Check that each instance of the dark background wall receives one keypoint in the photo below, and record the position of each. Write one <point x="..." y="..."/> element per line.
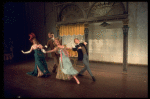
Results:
<point x="22" y="18"/>
<point x="15" y="29"/>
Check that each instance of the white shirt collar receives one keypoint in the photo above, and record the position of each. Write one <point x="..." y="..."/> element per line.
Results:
<point x="52" y="39"/>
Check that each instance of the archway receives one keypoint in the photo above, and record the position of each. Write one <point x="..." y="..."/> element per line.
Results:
<point x="99" y="12"/>
<point x="99" y="9"/>
<point x="71" y="12"/>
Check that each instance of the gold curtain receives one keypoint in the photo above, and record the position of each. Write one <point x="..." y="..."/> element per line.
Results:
<point x="72" y="53"/>
<point x="77" y="29"/>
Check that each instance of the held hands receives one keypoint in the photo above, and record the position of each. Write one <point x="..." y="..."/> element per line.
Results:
<point x="85" y="43"/>
<point x="79" y="47"/>
<point x="45" y="46"/>
<point x="22" y="51"/>
<point x="70" y="48"/>
<point x="43" y="50"/>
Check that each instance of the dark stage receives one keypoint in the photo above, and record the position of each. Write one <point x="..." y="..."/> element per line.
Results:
<point x="110" y="82"/>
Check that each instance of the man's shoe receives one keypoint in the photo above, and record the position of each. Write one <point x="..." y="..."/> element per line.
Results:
<point x="47" y="75"/>
<point x="54" y="68"/>
<point x="80" y="75"/>
<point x="93" y="78"/>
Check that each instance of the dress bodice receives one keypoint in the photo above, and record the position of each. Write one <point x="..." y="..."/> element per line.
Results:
<point x="37" y="50"/>
<point x="38" y="53"/>
<point x="65" y="63"/>
<point x="61" y="51"/>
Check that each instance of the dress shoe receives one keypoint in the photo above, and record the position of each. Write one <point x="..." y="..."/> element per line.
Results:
<point x="54" y="68"/>
<point x="80" y="75"/>
<point x="93" y="78"/>
<point x="46" y="75"/>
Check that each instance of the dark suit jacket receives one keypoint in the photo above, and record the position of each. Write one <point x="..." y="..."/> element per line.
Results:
<point x="80" y="53"/>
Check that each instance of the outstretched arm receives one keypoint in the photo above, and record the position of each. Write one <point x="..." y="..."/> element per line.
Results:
<point x="85" y="43"/>
<point x="47" y="45"/>
<point x="53" y="50"/>
<point x="69" y="48"/>
<point x="43" y="50"/>
<point x="75" y="48"/>
<point x="27" y="52"/>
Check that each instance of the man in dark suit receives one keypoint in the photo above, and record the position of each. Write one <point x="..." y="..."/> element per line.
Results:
<point x="53" y="54"/>
<point x="82" y="56"/>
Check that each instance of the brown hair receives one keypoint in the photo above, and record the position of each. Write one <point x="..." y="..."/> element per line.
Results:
<point x="76" y="39"/>
<point x="36" y="41"/>
<point x="50" y="33"/>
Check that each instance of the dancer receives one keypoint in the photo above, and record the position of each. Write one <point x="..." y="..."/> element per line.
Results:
<point x="54" y="55"/>
<point x="40" y="63"/>
<point x="66" y="69"/>
<point x="82" y="56"/>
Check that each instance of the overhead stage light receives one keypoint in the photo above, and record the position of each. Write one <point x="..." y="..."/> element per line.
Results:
<point x="104" y="24"/>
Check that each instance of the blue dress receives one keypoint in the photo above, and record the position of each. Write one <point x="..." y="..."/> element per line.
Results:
<point x="40" y="62"/>
<point x="66" y="65"/>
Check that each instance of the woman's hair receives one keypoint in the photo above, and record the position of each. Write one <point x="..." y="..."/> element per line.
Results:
<point x="56" y="39"/>
<point x="36" y="41"/>
<point x="33" y="37"/>
<point x="64" y="50"/>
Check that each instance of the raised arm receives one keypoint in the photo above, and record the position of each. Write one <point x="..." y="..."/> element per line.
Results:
<point x="27" y="52"/>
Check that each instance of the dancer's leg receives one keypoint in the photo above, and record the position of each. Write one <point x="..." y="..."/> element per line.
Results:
<point x="86" y="63"/>
<point x="83" y="70"/>
<point x="88" y="68"/>
<point x="76" y="79"/>
<point x="39" y="72"/>
<point x="55" y="64"/>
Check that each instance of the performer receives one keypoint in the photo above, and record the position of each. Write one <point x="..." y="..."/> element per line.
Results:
<point x="82" y="56"/>
<point x="40" y="63"/>
<point x="54" y="55"/>
<point x="66" y="70"/>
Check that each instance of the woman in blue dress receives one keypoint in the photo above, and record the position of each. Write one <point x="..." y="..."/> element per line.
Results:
<point x="64" y="61"/>
<point x="40" y="63"/>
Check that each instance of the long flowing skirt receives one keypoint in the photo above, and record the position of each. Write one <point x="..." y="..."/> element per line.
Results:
<point x="66" y="66"/>
<point x="61" y="75"/>
<point x="40" y="68"/>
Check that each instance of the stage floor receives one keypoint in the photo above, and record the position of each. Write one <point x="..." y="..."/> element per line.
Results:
<point x="110" y="82"/>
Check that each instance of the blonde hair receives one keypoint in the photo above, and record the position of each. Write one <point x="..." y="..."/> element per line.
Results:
<point x="56" y="39"/>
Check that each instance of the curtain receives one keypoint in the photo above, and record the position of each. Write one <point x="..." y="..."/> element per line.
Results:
<point x="69" y="40"/>
<point x="77" y="29"/>
<point x="68" y="33"/>
<point x="72" y="53"/>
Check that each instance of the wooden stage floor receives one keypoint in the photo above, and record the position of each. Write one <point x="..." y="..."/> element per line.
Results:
<point x="110" y="82"/>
